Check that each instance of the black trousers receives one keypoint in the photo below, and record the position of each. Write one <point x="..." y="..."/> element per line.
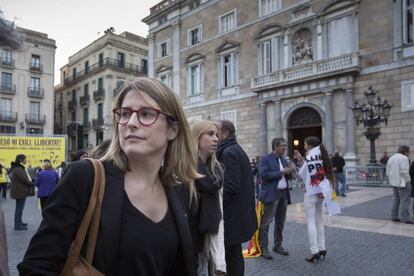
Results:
<point x="3" y="187"/>
<point x="43" y="202"/>
<point x="234" y="260"/>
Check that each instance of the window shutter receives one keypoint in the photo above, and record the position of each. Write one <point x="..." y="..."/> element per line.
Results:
<point x="275" y="54"/>
<point x="232" y="68"/>
<point x="260" y="55"/>
<point x="221" y="71"/>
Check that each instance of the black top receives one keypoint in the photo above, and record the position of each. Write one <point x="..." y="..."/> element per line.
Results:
<point x="48" y="248"/>
<point x="151" y="248"/>
<point x="338" y="162"/>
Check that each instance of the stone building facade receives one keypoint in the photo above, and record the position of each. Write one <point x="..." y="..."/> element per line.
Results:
<point x="88" y="85"/>
<point x="289" y="68"/>
<point x="26" y="85"/>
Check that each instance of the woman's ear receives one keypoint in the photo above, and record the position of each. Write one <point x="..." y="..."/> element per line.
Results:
<point x="173" y="131"/>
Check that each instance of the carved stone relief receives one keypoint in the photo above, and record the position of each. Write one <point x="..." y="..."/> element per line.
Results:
<point x="302" y="46"/>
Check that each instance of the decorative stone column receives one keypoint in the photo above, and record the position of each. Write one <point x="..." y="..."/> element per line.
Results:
<point x="329" y="130"/>
<point x="176" y="27"/>
<point x="151" y="55"/>
<point x="350" y="157"/>
<point x="278" y="119"/>
<point x="263" y="129"/>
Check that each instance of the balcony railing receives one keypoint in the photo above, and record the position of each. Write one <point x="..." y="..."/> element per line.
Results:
<point x="37" y="68"/>
<point x="97" y="124"/>
<point x="106" y="62"/>
<point x="7" y="63"/>
<point x="8" y="116"/>
<point x="162" y="5"/>
<point x="344" y="63"/>
<point x="72" y="104"/>
<point x="86" y="126"/>
<point x="36" y="119"/>
<point x="35" y="92"/>
<point x="83" y="100"/>
<point x="99" y="94"/>
<point x="7" y="89"/>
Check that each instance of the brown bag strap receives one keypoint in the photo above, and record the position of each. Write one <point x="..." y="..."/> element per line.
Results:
<point x="94" y="227"/>
<point x="95" y="202"/>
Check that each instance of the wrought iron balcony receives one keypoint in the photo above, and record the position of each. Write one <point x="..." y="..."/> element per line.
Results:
<point x="9" y="63"/>
<point x="97" y="124"/>
<point x="99" y="94"/>
<point x="7" y="89"/>
<point x="311" y="70"/>
<point x="35" y="118"/>
<point x="8" y="116"/>
<point x="84" y="100"/>
<point x="107" y="63"/>
<point x="35" y="92"/>
<point x="60" y="104"/>
<point x="36" y="68"/>
<point x="72" y="104"/>
<point x="86" y="126"/>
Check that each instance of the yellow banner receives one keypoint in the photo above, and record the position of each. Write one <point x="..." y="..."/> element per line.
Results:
<point x="35" y="148"/>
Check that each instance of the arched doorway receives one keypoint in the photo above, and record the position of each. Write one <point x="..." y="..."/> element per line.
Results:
<point x="303" y="122"/>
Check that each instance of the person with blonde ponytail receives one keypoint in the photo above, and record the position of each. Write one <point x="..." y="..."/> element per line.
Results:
<point x="150" y="169"/>
<point x="210" y="200"/>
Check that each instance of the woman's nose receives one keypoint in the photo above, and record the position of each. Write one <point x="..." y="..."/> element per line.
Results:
<point x="133" y="120"/>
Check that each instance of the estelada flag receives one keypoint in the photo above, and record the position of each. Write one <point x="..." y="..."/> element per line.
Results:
<point x="253" y="247"/>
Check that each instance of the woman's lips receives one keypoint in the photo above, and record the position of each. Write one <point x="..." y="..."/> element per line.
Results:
<point x="134" y="137"/>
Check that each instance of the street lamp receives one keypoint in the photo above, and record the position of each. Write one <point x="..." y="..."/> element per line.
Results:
<point x="371" y="115"/>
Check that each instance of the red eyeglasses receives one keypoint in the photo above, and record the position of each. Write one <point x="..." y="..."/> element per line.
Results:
<point x="146" y="116"/>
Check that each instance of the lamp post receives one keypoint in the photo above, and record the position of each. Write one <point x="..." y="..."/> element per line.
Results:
<point x="371" y="115"/>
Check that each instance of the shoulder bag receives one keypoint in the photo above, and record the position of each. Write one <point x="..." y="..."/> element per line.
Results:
<point x="75" y="264"/>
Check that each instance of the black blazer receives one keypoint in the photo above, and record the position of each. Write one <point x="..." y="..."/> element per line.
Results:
<point x="49" y="247"/>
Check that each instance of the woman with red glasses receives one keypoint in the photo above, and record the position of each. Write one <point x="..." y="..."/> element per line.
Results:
<point x="150" y="168"/>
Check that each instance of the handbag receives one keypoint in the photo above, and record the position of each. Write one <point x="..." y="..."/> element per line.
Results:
<point x="75" y="264"/>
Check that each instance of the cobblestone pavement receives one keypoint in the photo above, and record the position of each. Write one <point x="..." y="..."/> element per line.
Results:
<point x="361" y="241"/>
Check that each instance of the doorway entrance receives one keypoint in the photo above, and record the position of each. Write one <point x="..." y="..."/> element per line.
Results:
<point x="303" y="122"/>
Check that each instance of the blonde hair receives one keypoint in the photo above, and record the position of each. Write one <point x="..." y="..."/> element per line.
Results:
<point x="180" y="157"/>
<point x="199" y="128"/>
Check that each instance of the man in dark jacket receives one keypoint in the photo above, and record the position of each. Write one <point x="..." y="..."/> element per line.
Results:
<point x="338" y="164"/>
<point x="274" y="194"/>
<point x="240" y="221"/>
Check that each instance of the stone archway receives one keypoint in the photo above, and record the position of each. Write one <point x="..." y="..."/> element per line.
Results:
<point x="303" y="122"/>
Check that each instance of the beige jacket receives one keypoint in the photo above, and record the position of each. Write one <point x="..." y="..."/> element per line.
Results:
<point x="398" y="170"/>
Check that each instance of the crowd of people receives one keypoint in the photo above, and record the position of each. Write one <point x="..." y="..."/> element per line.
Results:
<point x="185" y="192"/>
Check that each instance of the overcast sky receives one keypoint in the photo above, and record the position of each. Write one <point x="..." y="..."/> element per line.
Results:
<point x="76" y="23"/>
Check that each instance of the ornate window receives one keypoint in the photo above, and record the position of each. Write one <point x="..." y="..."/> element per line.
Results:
<point x="165" y="75"/>
<point x="227" y="21"/>
<point x="269" y="6"/>
<point x="194" y="36"/>
<point x="340" y="36"/>
<point x="305" y="116"/>
<point x="229" y="115"/>
<point x="164" y="49"/>
<point x="407" y="95"/>
<point x="408" y="11"/>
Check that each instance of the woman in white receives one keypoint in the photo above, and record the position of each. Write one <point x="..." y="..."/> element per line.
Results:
<point x="210" y="244"/>
<point x="317" y="174"/>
